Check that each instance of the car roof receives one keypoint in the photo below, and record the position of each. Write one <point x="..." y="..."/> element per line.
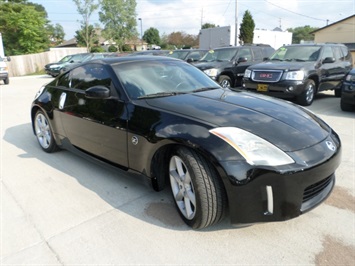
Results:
<point x="138" y="58"/>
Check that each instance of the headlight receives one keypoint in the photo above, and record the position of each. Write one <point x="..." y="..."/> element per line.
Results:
<point x="350" y="77"/>
<point x="211" y="72"/>
<point x="295" y="75"/>
<point x="254" y="149"/>
<point x="247" y="73"/>
<point x="39" y="92"/>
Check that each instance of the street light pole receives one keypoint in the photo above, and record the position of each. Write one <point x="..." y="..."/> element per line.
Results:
<point x="141" y="31"/>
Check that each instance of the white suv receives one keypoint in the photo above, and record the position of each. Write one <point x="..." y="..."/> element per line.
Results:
<point x="4" y="73"/>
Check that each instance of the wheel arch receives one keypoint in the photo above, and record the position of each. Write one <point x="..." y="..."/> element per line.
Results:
<point x="160" y="161"/>
<point x="315" y="78"/>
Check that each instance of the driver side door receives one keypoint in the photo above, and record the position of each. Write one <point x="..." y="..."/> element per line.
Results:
<point x="94" y="125"/>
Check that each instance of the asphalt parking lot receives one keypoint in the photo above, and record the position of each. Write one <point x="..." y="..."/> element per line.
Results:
<point x="58" y="209"/>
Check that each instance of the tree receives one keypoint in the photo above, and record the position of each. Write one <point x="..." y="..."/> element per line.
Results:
<point x="85" y="8"/>
<point x="180" y="39"/>
<point x="208" y="25"/>
<point x="23" y="27"/>
<point x="87" y="37"/>
<point x="151" y="36"/>
<point x="119" y="19"/>
<point x="247" y="28"/>
<point x="56" y="33"/>
<point x="302" y="34"/>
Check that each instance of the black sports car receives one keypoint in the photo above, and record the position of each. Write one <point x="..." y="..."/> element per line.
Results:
<point x="260" y="159"/>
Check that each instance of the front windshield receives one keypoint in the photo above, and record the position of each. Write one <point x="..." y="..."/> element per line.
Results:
<point x="219" y="55"/>
<point x="297" y="53"/>
<point x="143" y="78"/>
<point x="178" y="54"/>
<point x="65" y="59"/>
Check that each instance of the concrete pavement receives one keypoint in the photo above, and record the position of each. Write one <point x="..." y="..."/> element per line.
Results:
<point x="59" y="209"/>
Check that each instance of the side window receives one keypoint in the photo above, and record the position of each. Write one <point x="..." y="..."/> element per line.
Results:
<point x="257" y="53"/>
<point x="64" y="81"/>
<point x="89" y="75"/>
<point x="337" y="53"/>
<point x="244" y="52"/>
<point x="346" y="53"/>
<point x="327" y="52"/>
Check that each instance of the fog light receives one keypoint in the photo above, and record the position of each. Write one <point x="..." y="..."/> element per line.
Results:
<point x="290" y="89"/>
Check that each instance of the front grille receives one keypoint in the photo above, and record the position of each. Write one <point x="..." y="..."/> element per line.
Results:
<point x="315" y="189"/>
<point x="266" y="75"/>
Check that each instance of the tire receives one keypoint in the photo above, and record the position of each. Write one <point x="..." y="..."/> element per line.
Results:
<point x="337" y="92"/>
<point x="7" y="81"/>
<point x="307" y="96"/>
<point x="44" y="133"/>
<point x="197" y="190"/>
<point x="346" y="107"/>
<point x="225" y="81"/>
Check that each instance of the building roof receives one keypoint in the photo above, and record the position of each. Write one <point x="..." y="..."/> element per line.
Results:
<point x="332" y="24"/>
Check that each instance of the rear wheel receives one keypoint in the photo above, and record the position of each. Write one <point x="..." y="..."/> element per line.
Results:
<point x="307" y="96"/>
<point x="197" y="190"/>
<point x="7" y="81"/>
<point x="44" y="133"/>
<point x="225" y="81"/>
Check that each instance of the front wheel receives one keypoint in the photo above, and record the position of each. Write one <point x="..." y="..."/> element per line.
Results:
<point x="346" y="107"/>
<point x="44" y="133"/>
<point x="307" y="96"/>
<point x="7" y="81"/>
<point x="197" y="190"/>
<point x="225" y="81"/>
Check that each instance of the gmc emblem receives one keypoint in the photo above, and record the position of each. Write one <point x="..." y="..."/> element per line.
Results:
<point x="266" y="75"/>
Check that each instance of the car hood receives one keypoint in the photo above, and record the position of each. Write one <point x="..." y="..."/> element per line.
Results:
<point x="287" y="126"/>
<point x="209" y="65"/>
<point x="284" y="65"/>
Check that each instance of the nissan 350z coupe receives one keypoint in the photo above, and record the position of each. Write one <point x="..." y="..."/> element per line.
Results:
<point x="246" y="156"/>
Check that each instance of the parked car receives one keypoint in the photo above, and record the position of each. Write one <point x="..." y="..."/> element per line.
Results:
<point x="227" y="65"/>
<point x="347" y="101"/>
<point x="299" y="71"/>
<point x="54" y="69"/>
<point x="4" y="71"/>
<point x="91" y="56"/>
<point x="165" y="119"/>
<point x="151" y="52"/>
<point x="189" y="55"/>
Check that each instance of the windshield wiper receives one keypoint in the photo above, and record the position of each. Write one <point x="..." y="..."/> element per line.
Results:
<point x="205" y="89"/>
<point x="161" y="94"/>
<point x="276" y="59"/>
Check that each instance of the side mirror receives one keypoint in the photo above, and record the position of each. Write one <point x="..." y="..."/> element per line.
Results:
<point x="189" y="60"/>
<point x="328" y="60"/>
<point x="242" y="59"/>
<point x="97" y="92"/>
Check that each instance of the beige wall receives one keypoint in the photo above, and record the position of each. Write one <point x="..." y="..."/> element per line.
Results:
<point x="341" y="32"/>
<point x="21" y="65"/>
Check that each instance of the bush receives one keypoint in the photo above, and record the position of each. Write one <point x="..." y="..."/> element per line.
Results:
<point x="126" y="48"/>
<point x="97" y="49"/>
<point x="112" y="49"/>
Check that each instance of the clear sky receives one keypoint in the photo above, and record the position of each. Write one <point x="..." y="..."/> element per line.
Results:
<point x="187" y="15"/>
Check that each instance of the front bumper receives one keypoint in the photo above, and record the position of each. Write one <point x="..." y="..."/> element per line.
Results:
<point x="4" y="75"/>
<point x="53" y="71"/>
<point x="286" y="89"/>
<point x="269" y="195"/>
